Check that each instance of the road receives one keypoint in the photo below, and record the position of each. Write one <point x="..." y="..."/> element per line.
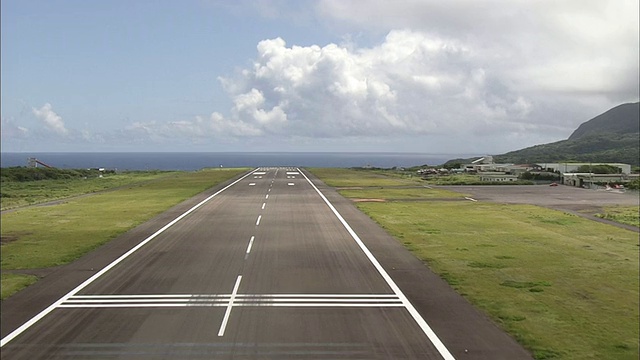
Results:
<point x="270" y="266"/>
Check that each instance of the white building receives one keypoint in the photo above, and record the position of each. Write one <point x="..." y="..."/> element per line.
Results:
<point x="573" y="167"/>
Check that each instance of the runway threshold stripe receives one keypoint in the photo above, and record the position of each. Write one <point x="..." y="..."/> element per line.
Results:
<point x="147" y="296"/>
<point x="56" y="304"/>
<point x="444" y="352"/>
<point x="221" y="333"/>
<point x="234" y="300"/>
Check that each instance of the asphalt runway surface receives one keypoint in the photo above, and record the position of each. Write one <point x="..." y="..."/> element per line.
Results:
<point x="271" y="265"/>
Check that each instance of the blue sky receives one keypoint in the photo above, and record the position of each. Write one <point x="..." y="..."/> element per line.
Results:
<point x="328" y="75"/>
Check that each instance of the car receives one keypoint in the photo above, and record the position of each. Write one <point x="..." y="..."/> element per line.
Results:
<point x="553" y="184"/>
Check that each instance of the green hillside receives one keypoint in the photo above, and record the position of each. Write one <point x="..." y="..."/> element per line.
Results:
<point x="606" y="147"/>
<point x="613" y="136"/>
<point x="622" y="119"/>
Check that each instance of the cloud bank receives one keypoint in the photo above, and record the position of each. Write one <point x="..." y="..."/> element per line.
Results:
<point x="410" y="84"/>
<point x="433" y="77"/>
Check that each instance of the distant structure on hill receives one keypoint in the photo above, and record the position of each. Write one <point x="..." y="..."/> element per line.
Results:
<point x="33" y="163"/>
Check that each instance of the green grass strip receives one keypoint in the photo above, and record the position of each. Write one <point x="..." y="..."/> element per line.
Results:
<point x="352" y="177"/>
<point x="16" y="194"/>
<point x="565" y="287"/>
<point x="628" y="215"/>
<point x="42" y="237"/>
<point x="12" y="283"/>
<point x="394" y="193"/>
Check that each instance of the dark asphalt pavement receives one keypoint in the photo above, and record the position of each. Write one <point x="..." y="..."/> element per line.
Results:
<point x="274" y="266"/>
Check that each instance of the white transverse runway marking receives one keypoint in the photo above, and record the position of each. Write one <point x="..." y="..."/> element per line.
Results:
<point x="412" y="310"/>
<point x="71" y="293"/>
<point x="245" y="300"/>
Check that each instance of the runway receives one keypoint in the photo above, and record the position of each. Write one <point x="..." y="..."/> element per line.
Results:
<point x="273" y="265"/>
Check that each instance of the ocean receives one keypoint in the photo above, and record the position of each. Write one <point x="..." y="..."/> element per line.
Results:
<point x="195" y="161"/>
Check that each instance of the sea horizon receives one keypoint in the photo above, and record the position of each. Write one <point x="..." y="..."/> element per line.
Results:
<point x="189" y="160"/>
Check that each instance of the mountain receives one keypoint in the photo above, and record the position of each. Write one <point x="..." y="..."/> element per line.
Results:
<point x="622" y="119"/>
<point x="612" y="137"/>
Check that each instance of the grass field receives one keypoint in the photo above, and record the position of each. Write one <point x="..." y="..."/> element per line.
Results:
<point x="362" y="178"/>
<point x="42" y="237"/>
<point x="623" y="214"/>
<point x="390" y="193"/>
<point x="12" y="283"/>
<point x="565" y="287"/>
<point x="16" y="194"/>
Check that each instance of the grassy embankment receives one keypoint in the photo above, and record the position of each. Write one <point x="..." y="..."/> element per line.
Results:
<point x="565" y="287"/>
<point x="42" y="237"/>
<point x="21" y="193"/>
<point x="623" y="214"/>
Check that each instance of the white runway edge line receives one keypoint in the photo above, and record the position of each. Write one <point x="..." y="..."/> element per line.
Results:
<point x="71" y="293"/>
<point x="412" y="310"/>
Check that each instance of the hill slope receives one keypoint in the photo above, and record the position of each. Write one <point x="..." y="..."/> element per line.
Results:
<point x="622" y="119"/>
<point x="613" y="136"/>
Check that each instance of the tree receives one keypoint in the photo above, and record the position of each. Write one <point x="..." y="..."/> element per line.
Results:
<point x="599" y="169"/>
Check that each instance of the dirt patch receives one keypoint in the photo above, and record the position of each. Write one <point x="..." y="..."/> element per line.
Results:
<point x="39" y="272"/>
<point x="369" y="200"/>
<point x="7" y="238"/>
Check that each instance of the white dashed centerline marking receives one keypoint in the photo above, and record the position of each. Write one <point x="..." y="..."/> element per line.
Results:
<point x="258" y="221"/>
<point x="249" y="247"/>
<point x="252" y="184"/>
<point x="266" y="197"/>
<point x="263" y="205"/>
<point x="230" y="306"/>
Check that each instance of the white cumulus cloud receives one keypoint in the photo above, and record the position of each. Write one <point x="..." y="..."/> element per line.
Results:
<point x="52" y="121"/>
<point x="569" y="46"/>
<point x="410" y="84"/>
